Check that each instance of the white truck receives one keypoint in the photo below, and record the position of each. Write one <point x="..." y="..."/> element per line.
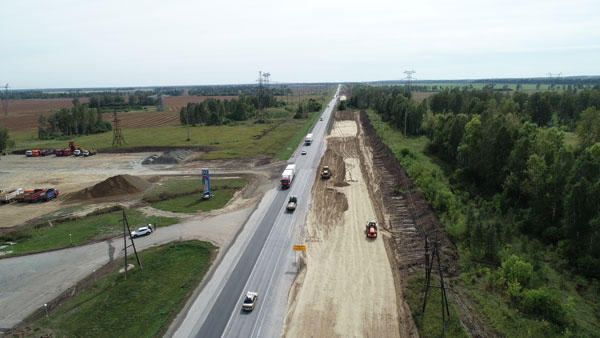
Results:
<point x="288" y="176"/>
<point x="9" y="196"/>
<point x="308" y="140"/>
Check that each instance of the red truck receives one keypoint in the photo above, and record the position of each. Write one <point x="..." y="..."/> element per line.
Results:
<point x="58" y="152"/>
<point x="34" y="196"/>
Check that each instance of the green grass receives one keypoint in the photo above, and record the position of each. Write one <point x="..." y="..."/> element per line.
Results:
<point x="233" y="141"/>
<point x="194" y="203"/>
<point x="141" y="306"/>
<point x="185" y="196"/>
<point x="430" y="324"/>
<point x="298" y="135"/>
<point x="82" y="231"/>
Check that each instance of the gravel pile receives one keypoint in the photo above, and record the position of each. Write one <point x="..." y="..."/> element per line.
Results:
<point x="168" y="157"/>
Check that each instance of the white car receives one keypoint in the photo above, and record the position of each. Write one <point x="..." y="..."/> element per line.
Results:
<point x="141" y="232"/>
<point x="249" y="301"/>
<point x="303" y="152"/>
<point x="76" y="152"/>
<point x="85" y="153"/>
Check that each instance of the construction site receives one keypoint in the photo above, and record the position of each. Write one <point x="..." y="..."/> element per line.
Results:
<point x="353" y="285"/>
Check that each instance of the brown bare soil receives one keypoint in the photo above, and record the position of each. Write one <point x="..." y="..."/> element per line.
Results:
<point x="24" y="114"/>
<point x="347" y="287"/>
<point x="112" y="186"/>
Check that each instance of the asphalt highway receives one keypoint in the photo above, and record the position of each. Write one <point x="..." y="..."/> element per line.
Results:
<point x="262" y="261"/>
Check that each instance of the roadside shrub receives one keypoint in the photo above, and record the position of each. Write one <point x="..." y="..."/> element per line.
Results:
<point x="540" y="302"/>
<point x="516" y="270"/>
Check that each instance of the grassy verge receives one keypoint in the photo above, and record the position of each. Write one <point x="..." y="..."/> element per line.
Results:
<point x="430" y="324"/>
<point x="141" y="306"/>
<point x="504" y="314"/>
<point x="76" y="232"/>
<point x="185" y="196"/>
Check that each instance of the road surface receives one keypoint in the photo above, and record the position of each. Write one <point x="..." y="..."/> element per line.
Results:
<point x="261" y="260"/>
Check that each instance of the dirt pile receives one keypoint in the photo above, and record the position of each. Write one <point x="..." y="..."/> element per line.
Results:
<point x="112" y="186"/>
<point x="168" y="157"/>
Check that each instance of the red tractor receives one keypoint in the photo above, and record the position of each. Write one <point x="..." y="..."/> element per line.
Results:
<point x="371" y="229"/>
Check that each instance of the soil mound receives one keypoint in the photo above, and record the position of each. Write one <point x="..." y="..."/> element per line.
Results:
<point x="168" y="157"/>
<point x="112" y="186"/>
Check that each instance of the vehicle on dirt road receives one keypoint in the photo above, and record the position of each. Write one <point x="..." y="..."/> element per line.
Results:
<point x="293" y="201"/>
<point x="371" y="229"/>
<point x="58" y="152"/>
<point x="29" y="153"/>
<point x="325" y="172"/>
<point x="50" y="194"/>
<point x="143" y="231"/>
<point x="34" y="196"/>
<point x="250" y="301"/>
<point x="76" y="152"/>
<point x="10" y="196"/>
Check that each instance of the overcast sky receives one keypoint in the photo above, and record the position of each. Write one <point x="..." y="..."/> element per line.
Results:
<point x="59" y="43"/>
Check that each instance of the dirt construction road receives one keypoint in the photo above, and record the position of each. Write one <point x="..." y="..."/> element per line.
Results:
<point x="347" y="287"/>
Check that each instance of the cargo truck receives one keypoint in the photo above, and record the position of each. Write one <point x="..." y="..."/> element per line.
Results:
<point x="34" y="196"/>
<point x="10" y="196"/>
<point x="291" y="206"/>
<point x="308" y="140"/>
<point x="288" y="176"/>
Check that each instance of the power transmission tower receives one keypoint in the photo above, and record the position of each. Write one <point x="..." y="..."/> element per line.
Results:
<point x="409" y="74"/>
<point x="5" y="100"/>
<point x="428" y="269"/>
<point x="159" y="102"/>
<point x="118" y="139"/>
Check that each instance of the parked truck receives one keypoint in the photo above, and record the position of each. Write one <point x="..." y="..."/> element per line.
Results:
<point x="293" y="201"/>
<point x="34" y="196"/>
<point x="308" y="140"/>
<point x="49" y="194"/>
<point x="288" y="176"/>
<point x="10" y="196"/>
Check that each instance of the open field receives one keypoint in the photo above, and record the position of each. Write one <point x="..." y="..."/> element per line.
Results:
<point x="77" y="232"/>
<point x="23" y="114"/>
<point x="143" y="305"/>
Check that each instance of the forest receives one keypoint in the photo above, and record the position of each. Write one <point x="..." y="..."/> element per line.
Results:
<point x="514" y="185"/>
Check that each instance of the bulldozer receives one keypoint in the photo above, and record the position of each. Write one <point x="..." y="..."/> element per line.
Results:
<point x="325" y="172"/>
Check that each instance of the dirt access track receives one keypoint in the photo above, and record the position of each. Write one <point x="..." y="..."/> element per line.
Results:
<point x="348" y="287"/>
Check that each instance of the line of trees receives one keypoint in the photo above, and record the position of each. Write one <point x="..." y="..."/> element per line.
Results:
<point x="123" y="92"/>
<point x="111" y="101"/>
<point x="216" y="112"/>
<point x="393" y="104"/>
<point x="78" y="120"/>
<point x="5" y="141"/>
<point x="234" y="90"/>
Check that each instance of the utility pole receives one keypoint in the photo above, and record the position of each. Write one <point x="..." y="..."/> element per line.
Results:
<point x="5" y="100"/>
<point x="409" y="74"/>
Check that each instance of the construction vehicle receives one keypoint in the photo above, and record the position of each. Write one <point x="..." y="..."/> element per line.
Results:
<point x="308" y="140"/>
<point x="72" y="146"/>
<point x="21" y="196"/>
<point x="288" y="176"/>
<point x="325" y="172"/>
<point x="10" y="196"/>
<point x="49" y="194"/>
<point x="58" y="152"/>
<point x="371" y="229"/>
<point x="66" y="152"/>
<point x="293" y="201"/>
<point x="34" y="196"/>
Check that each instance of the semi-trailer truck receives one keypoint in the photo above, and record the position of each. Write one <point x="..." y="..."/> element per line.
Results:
<point x="288" y="176"/>
<point x="308" y="140"/>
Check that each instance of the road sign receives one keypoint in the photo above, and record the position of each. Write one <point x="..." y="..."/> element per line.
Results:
<point x="299" y="247"/>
